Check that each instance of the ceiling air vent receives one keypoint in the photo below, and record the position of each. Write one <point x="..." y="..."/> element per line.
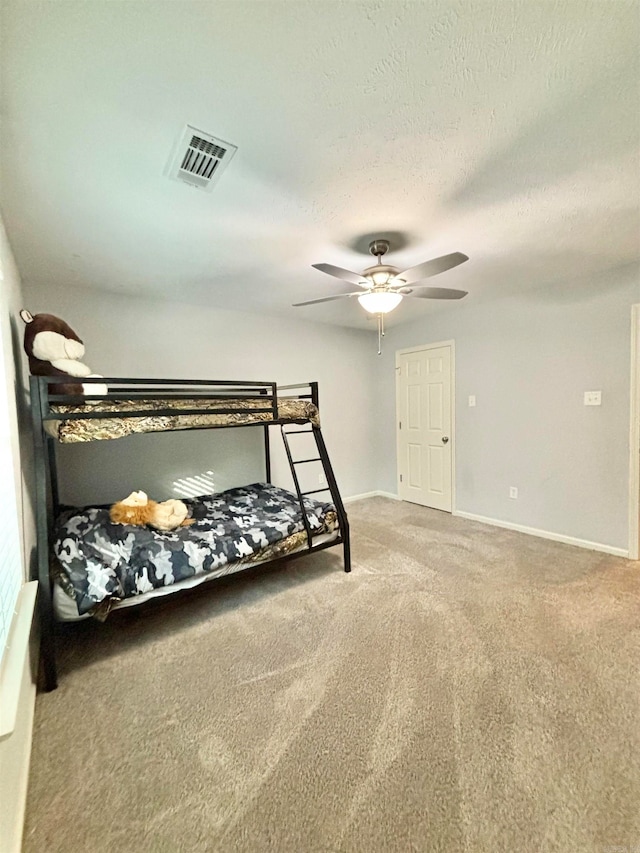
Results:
<point x="200" y="159"/>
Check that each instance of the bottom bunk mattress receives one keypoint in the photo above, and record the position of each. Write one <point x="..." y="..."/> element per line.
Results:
<point x="100" y="564"/>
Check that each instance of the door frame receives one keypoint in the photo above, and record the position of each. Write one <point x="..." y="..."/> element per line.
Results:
<point x="452" y="345"/>
<point x="634" y="437"/>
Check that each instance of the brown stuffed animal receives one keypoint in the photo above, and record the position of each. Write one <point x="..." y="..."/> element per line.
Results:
<point x="54" y="349"/>
<point x="137" y="509"/>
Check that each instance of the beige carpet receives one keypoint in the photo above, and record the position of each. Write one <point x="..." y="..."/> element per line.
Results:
<point x="464" y="689"/>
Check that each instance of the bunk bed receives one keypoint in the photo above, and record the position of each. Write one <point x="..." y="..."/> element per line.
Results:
<point x="88" y="566"/>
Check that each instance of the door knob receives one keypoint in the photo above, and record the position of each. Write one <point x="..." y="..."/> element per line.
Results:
<point x="445" y="439"/>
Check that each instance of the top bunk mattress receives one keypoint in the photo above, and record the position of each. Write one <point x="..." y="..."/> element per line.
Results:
<point x="116" y="424"/>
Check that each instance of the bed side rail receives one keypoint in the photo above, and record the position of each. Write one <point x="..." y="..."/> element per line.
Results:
<point x="261" y="397"/>
<point x="305" y="391"/>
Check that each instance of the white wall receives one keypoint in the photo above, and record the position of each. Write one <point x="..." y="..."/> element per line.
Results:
<point x="128" y="336"/>
<point x="15" y="749"/>
<point x="528" y="360"/>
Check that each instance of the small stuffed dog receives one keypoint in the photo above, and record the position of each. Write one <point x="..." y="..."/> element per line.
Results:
<point x="137" y="509"/>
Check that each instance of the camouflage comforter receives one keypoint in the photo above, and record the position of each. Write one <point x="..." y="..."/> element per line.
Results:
<point x="99" y="562"/>
<point x="116" y="423"/>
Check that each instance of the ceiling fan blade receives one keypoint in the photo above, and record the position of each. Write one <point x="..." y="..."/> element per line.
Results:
<point x="338" y="272"/>
<point x="425" y="292"/>
<point x="324" y="299"/>
<point x="432" y="267"/>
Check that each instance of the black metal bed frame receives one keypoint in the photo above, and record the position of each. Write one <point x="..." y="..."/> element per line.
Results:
<point x="47" y="499"/>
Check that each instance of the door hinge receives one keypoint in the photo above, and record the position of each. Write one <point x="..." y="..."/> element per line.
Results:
<point x="400" y="477"/>
<point x="399" y="424"/>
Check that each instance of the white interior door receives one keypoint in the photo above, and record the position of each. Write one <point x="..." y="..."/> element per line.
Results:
<point x="424" y="426"/>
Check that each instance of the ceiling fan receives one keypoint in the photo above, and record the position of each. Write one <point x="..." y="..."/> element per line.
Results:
<point x="383" y="286"/>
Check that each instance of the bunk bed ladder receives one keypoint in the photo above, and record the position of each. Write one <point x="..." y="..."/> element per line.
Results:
<point x="296" y="482"/>
<point x="331" y="487"/>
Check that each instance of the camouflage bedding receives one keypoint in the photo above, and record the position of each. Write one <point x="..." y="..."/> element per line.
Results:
<point x="100" y="429"/>
<point x="100" y="563"/>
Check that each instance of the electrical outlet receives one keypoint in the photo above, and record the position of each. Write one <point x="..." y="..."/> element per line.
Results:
<point x="593" y="398"/>
<point x="322" y="480"/>
<point x="472" y="400"/>
<point x="513" y="492"/>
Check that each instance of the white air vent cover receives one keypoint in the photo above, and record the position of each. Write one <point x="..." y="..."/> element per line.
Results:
<point x="199" y="158"/>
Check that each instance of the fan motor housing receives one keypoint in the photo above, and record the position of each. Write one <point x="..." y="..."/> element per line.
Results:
<point x="380" y="274"/>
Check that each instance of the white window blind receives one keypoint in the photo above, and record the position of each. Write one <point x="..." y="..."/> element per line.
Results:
<point x="10" y="557"/>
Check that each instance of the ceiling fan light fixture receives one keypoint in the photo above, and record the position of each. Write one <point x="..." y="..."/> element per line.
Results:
<point x="380" y="278"/>
<point x="385" y="285"/>
<point x="380" y="301"/>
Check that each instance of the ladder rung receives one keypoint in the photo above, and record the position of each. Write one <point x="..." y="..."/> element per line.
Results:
<point x="315" y="491"/>
<point x="298" y="431"/>
<point x="300" y="461"/>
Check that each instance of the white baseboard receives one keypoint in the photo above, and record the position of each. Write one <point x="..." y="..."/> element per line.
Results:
<point x="377" y="494"/>
<point x="361" y="497"/>
<point x="509" y="525"/>
<point x="545" y="534"/>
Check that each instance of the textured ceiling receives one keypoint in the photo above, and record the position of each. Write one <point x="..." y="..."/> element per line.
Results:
<point x="505" y="130"/>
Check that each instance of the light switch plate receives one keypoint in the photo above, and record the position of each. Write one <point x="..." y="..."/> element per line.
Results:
<point x="472" y="399"/>
<point x="593" y="398"/>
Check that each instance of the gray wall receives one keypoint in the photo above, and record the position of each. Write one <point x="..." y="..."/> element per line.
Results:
<point x="16" y="747"/>
<point x="528" y="360"/>
<point x="126" y="336"/>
